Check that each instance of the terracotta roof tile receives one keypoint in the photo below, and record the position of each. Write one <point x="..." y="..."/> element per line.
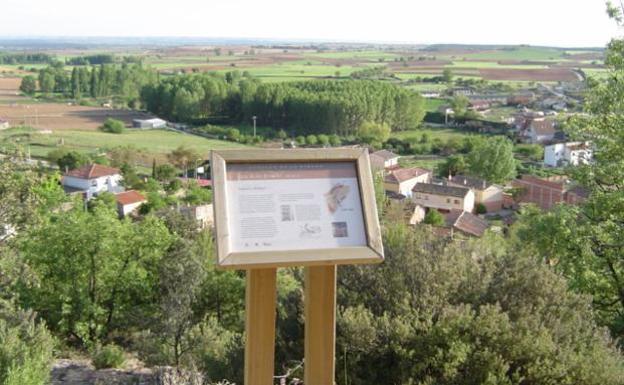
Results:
<point x="92" y="171"/>
<point x="470" y="224"/>
<point x="129" y="197"/>
<point x="402" y="174"/>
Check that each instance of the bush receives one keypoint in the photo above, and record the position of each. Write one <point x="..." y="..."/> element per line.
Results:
<point x="434" y="218"/>
<point x="301" y="140"/>
<point x="323" y="140"/>
<point x="113" y="126"/>
<point x="311" y="139"/>
<point x="109" y="356"/>
<point x="25" y="349"/>
<point x="481" y="209"/>
<point x="334" y="140"/>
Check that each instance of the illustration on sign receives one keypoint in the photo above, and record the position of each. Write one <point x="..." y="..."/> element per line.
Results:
<point x="294" y="206"/>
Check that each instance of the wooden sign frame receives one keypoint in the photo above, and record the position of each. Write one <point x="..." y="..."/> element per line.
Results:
<point x="371" y="253"/>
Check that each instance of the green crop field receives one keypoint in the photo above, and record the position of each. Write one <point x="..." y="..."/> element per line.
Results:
<point x="439" y="133"/>
<point x="515" y="53"/>
<point x="152" y="143"/>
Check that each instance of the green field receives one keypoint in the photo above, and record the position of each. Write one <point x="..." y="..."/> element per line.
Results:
<point x="439" y="133"/>
<point x="151" y="143"/>
<point x="515" y="53"/>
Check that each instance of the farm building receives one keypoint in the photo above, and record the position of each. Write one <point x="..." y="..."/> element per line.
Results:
<point x="443" y="198"/>
<point x="384" y="159"/>
<point x="541" y="131"/>
<point x="488" y="194"/>
<point x="568" y="154"/>
<point x="128" y="201"/>
<point x="92" y="179"/>
<point x="548" y="192"/>
<point x="4" y="124"/>
<point x="203" y="214"/>
<point x="402" y="180"/>
<point x="149" y="123"/>
<point x="466" y="223"/>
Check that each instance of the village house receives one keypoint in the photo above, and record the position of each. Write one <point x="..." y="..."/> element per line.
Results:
<point x="383" y="160"/>
<point x="540" y="131"/>
<point x="92" y="179"/>
<point x="568" y="154"/>
<point x="465" y="91"/>
<point x="128" y="202"/>
<point x="479" y="105"/>
<point x="4" y="124"/>
<point x="548" y="192"/>
<point x="488" y="194"/>
<point x="521" y="99"/>
<point x="443" y="198"/>
<point x="203" y="214"/>
<point x="466" y="223"/>
<point x="401" y="181"/>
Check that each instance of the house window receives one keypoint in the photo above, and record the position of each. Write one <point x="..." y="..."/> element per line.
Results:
<point x="456" y="201"/>
<point x="448" y="200"/>
<point x="94" y="182"/>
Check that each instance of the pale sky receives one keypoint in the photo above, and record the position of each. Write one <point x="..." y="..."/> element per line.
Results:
<point x="572" y="23"/>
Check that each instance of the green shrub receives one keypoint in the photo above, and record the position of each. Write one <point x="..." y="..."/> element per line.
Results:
<point x="481" y="209"/>
<point x="113" y="126"/>
<point x="434" y="218"/>
<point x="109" y="356"/>
<point x="25" y="349"/>
<point x="311" y="139"/>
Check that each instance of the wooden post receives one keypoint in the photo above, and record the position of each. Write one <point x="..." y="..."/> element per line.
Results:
<point x="260" y="298"/>
<point x="320" y="325"/>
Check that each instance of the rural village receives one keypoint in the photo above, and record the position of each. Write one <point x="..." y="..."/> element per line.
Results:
<point x="494" y="179"/>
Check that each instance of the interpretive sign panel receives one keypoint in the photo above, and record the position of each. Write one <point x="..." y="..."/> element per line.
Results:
<point x="294" y="207"/>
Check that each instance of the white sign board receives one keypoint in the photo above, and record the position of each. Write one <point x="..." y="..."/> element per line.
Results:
<point x="294" y="206"/>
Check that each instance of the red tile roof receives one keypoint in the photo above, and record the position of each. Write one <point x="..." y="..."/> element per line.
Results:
<point x="467" y="223"/>
<point x="92" y="171"/>
<point x="129" y="197"/>
<point x="402" y="174"/>
<point x="543" y="127"/>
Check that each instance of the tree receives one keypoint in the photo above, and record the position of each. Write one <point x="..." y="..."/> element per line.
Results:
<point x="585" y="242"/>
<point x="68" y="159"/>
<point x="113" y="126"/>
<point x="183" y="158"/>
<point x="493" y="160"/>
<point x="447" y="75"/>
<point x="29" y="85"/>
<point x="311" y="139"/>
<point x="453" y="165"/>
<point x="371" y="132"/>
<point x="441" y="315"/>
<point x="26" y="347"/>
<point x="434" y="218"/>
<point x="165" y="172"/>
<point x="459" y="105"/>
<point x="107" y="279"/>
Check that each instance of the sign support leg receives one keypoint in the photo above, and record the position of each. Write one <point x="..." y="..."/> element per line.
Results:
<point x="260" y="298"/>
<point x="320" y="325"/>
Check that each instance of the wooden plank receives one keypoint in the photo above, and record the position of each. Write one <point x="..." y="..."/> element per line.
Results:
<point x="369" y="205"/>
<point x="261" y="297"/>
<point x="261" y="259"/>
<point x="299" y="155"/>
<point x="320" y="325"/>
